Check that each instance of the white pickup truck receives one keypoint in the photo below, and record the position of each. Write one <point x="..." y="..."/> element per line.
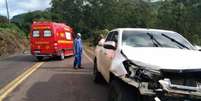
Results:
<point x="148" y="64"/>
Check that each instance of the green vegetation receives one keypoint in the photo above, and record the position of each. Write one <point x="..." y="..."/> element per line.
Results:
<point x="90" y="16"/>
<point x="12" y="38"/>
<point x="12" y="28"/>
<point x="24" y="21"/>
<point x="3" y="19"/>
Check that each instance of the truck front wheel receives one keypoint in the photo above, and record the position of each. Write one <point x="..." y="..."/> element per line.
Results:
<point x="119" y="91"/>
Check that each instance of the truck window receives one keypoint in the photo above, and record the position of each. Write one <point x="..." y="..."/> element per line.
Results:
<point x="36" y="33"/>
<point x="109" y="36"/>
<point x="112" y="36"/>
<point x="68" y="35"/>
<point x="115" y="37"/>
<point x="47" y="33"/>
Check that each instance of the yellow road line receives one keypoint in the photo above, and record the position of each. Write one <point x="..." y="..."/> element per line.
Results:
<point x="13" y="84"/>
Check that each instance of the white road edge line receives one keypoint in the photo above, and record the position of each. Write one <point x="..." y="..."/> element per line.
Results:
<point x="91" y="52"/>
<point x="91" y="60"/>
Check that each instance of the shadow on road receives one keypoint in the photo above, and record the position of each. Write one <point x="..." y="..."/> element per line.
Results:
<point x="67" y="87"/>
<point x="19" y="58"/>
<point x="68" y="69"/>
<point x="50" y="59"/>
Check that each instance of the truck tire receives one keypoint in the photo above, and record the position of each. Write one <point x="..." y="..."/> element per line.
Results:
<point x="62" y="56"/>
<point x="98" y="78"/>
<point x="39" y="58"/>
<point x="119" y="91"/>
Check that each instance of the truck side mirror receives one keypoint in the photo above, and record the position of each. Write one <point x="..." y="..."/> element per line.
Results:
<point x="101" y="42"/>
<point x="110" y="45"/>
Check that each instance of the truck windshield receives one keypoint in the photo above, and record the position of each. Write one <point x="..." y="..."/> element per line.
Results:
<point x="47" y="33"/>
<point x="142" y="39"/>
<point x="36" y="33"/>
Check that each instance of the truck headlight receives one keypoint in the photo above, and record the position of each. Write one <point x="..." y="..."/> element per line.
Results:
<point x="141" y="73"/>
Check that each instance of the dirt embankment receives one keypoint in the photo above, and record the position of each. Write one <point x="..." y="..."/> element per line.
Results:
<point x="11" y="42"/>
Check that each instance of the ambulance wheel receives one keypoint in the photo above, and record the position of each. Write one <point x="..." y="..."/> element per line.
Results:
<point x="39" y="58"/>
<point x="62" y="56"/>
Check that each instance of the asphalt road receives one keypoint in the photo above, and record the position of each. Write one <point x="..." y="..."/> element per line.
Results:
<point x="55" y="80"/>
<point x="13" y="66"/>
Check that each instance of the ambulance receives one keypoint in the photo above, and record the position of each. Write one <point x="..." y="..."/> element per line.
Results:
<point x="51" y="39"/>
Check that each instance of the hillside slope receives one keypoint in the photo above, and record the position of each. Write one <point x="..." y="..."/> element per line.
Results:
<point x="11" y="40"/>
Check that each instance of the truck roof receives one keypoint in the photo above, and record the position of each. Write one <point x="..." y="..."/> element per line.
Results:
<point x="141" y="29"/>
<point x="48" y="23"/>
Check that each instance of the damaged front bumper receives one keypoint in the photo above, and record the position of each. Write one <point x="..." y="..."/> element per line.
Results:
<point x="167" y="89"/>
<point x="174" y="89"/>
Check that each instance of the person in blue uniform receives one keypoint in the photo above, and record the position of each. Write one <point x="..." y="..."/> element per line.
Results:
<point x="78" y="51"/>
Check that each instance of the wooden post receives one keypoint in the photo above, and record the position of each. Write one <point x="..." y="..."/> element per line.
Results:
<point x="8" y="15"/>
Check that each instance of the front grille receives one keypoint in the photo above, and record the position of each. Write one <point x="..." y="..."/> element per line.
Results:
<point x="186" y="82"/>
<point x="183" y="77"/>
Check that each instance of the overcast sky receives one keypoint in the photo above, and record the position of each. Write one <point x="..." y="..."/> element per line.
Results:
<point x="22" y="6"/>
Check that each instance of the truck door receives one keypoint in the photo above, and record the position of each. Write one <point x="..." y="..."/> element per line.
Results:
<point x="106" y="55"/>
<point x="48" y="37"/>
<point x="41" y="40"/>
<point x="69" y="45"/>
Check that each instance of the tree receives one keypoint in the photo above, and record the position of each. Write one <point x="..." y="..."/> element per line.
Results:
<point x="90" y="16"/>
<point x="3" y="19"/>
<point x="25" y="20"/>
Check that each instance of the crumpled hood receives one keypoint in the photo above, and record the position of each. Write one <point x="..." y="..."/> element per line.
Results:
<point x="164" y="58"/>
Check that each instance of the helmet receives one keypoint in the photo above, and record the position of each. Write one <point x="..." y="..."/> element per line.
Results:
<point x="78" y="34"/>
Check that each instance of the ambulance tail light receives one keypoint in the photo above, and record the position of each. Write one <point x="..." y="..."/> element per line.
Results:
<point x="55" y="45"/>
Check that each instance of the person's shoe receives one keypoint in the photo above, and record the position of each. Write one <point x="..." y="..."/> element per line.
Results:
<point x="74" y="67"/>
<point x="80" y="67"/>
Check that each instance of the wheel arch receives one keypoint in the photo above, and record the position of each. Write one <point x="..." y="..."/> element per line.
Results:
<point x="112" y="77"/>
<point x="96" y="62"/>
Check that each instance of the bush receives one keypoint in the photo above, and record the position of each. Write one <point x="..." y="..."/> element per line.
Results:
<point x="3" y="19"/>
<point x="13" y="28"/>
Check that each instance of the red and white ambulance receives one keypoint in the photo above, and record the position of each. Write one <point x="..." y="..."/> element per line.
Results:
<point x="50" y="39"/>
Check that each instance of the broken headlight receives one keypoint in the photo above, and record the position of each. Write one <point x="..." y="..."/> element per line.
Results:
<point x="141" y="73"/>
